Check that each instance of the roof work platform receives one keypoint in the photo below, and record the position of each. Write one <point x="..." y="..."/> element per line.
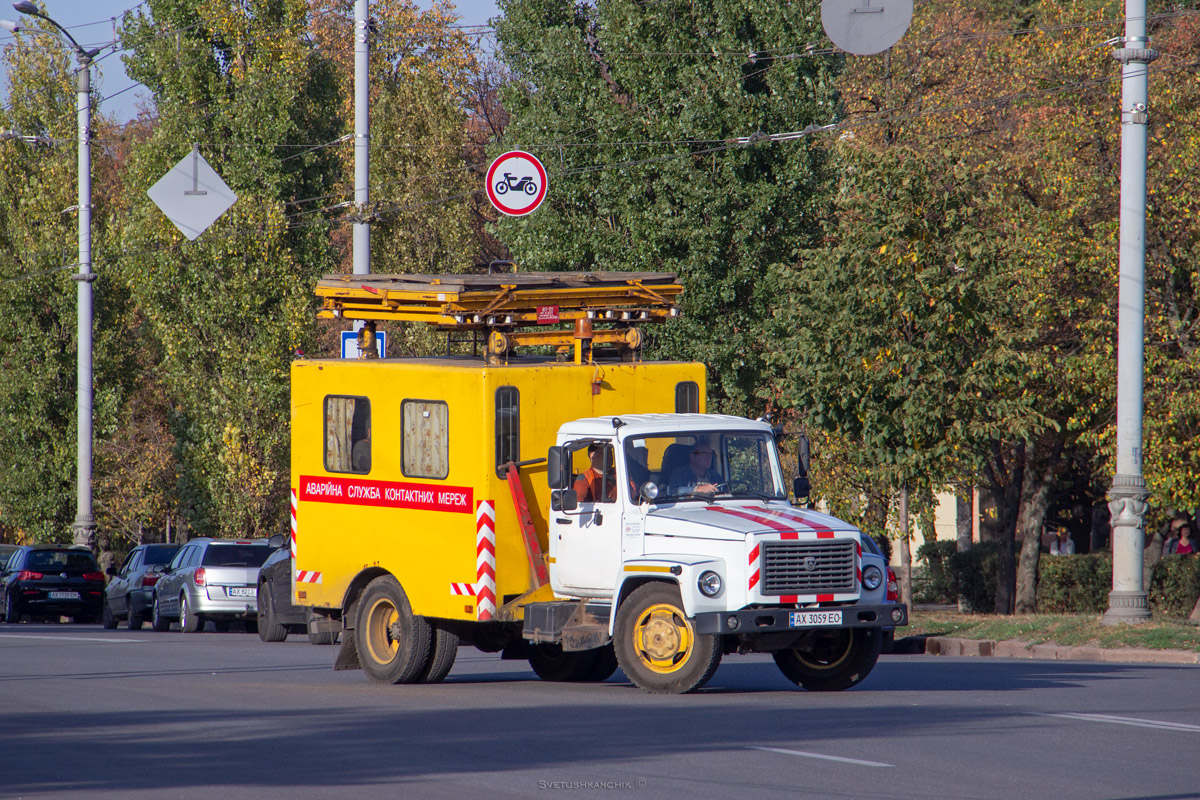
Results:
<point x="514" y="309"/>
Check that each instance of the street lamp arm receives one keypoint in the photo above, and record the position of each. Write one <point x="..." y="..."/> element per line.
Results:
<point x="85" y="56"/>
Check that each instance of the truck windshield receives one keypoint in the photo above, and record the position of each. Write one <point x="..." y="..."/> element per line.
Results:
<point x="703" y="465"/>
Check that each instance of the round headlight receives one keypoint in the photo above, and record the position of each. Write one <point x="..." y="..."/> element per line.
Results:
<point x="872" y="577"/>
<point x="649" y="491"/>
<point x="710" y="583"/>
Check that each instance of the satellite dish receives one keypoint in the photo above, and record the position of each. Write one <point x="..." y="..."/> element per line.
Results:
<point x="865" y="27"/>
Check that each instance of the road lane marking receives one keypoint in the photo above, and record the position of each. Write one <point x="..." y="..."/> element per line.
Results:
<point x="67" y="638"/>
<point x="1115" y="720"/>
<point x="818" y="755"/>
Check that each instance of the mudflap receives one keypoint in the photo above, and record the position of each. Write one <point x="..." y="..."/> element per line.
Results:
<point x="347" y="657"/>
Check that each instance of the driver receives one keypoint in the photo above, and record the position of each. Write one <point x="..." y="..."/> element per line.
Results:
<point x="698" y="475"/>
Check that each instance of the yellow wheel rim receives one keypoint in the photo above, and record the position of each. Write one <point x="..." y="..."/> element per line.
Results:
<point x="380" y="618"/>
<point x="663" y="638"/>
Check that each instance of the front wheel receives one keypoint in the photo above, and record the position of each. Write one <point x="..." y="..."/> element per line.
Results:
<point x="269" y="629"/>
<point x="829" y="661"/>
<point x="159" y="621"/>
<point x="107" y="620"/>
<point x="392" y="642"/>
<point x="657" y="647"/>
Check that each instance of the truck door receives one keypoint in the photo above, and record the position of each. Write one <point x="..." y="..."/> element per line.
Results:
<point x="588" y="539"/>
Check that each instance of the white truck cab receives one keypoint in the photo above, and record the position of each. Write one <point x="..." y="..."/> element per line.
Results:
<point x="681" y="524"/>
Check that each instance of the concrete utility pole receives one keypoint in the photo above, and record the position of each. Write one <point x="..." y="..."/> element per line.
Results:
<point x="362" y="138"/>
<point x="84" y="526"/>
<point x="1127" y="603"/>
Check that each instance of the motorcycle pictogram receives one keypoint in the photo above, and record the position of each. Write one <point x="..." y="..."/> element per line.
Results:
<point x="525" y="184"/>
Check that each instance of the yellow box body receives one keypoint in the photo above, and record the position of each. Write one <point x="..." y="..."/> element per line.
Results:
<point x="421" y="529"/>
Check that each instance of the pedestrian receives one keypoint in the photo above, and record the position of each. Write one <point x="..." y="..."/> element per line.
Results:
<point x="1185" y="545"/>
<point x="1178" y="521"/>
<point x="1062" y="544"/>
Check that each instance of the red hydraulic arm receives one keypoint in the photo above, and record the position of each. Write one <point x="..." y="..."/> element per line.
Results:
<point x="533" y="548"/>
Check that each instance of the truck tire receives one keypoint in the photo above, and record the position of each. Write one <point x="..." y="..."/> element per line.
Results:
<point x="830" y="661"/>
<point x="392" y="642"/>
<point x="269" y="630"/>
<point x="605" y="666"/>
<point x="550" y="663"/>
<point x="656" y="645"/>
<point x="442" y="652"/>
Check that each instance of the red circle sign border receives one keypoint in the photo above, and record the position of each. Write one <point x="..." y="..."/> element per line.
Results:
<point x="537" y="201"/>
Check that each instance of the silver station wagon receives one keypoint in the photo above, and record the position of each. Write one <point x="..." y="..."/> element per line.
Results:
<point x="210" y="579"/>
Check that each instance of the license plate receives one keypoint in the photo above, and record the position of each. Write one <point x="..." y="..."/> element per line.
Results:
<point x="798" y="619"/>
<point x="64" y="595"/>
<point x="240" y="591"/>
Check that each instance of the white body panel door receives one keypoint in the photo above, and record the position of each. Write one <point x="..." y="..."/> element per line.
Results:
<point x="587" y="552"/>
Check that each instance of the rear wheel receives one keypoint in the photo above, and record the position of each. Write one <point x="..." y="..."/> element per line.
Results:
<point x="158" y="620"/>
<point x="188" y="622"/>
<point x="442" y="652"/>
<point x="268" y="629"/>
<point x="106" y="617"/>
<point x="657" y="647"/>
<point x="392" y="642"/>
<point x="605" y="666"/>
<point x="829" y="661"/>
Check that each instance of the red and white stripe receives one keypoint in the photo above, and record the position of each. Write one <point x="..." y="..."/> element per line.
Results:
<point x="294" y="507"/>
<point x="467" y="589"/>
<point x="307" y="576"/>
<point x="485" y="560"/>
<point x="787" y="522"/>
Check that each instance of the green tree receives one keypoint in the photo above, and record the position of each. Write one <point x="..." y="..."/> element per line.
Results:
<point x="227" y="311"/>
<point x="631" y="105"/>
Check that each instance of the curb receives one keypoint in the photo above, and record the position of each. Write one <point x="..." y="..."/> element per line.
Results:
<point x="948" y="646"/>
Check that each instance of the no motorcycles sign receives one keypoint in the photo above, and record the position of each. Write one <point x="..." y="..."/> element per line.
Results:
<point x="516" y="183"/>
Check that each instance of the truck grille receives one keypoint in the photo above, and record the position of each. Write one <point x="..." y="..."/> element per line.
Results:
<point x="824" y="567"/>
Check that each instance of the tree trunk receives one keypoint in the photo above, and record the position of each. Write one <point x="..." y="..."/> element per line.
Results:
<point x="906" y="596"/>
<point x="1007" y="489"/>
<point x="1195" y="615"/>
<point x="1036" y="497"/>
<point x="1150" y="558"/>
<point x="964" y="522"/>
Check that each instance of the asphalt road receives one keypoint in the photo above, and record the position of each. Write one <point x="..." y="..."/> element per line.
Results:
<point x="89" y="713"/>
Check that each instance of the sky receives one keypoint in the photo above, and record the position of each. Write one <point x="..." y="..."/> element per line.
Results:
<point x="91" y="23"/>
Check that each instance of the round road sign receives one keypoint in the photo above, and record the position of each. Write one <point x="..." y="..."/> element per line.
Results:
<point x="516" y="183"/>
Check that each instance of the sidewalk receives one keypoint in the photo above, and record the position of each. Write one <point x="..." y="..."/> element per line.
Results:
<point x="949" y="646"/>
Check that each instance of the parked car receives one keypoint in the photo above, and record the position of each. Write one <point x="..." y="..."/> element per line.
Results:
<point x="210" y="579"/>
<point x="51" y="581"/>
<point x="277" y="616"/>
<point x="130" y="593"/>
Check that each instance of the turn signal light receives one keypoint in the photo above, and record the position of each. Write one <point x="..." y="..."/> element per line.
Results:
<point x="893" y="590"/>
<point x="93" y="576"/>
<point x="199" y="576"/>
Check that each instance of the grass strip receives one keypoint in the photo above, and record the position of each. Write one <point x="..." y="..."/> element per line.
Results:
<point x="1061" y="629"/>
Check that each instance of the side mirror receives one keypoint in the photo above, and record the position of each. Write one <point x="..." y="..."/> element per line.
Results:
<point x="276" y="541"/>
<point x="563" y="499"/>
<point x="558" y="468"/>
<point x="113" y="571"/>
<point x="802" y="451"/>
<point x="801" y="487"/>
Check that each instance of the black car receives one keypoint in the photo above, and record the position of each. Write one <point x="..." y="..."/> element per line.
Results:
<point x="277" y="616"/>
<point x="51" y="581"/>
<point x="130" y="593"/>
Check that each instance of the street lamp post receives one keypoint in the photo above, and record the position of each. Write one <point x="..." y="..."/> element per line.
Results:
<point x="84" y="526"/>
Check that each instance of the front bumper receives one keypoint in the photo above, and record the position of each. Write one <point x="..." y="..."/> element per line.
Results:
<point x="776" y="620"/>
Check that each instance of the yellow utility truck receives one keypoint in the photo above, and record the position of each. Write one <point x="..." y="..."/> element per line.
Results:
<point x="555" y="498"/>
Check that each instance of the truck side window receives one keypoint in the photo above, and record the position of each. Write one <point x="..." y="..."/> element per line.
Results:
<point x="424" y="439"/>
<point x="508" y="426"/>
<point x="687" y="398"/>
<point x="347" y="434"/>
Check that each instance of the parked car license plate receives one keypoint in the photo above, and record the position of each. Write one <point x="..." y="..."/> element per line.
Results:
<point x="801" y="618"/>
<point x="64" y="595"/>
<point x="240" y="591"/>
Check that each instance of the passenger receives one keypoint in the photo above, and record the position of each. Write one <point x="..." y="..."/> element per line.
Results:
<point x="698" y="475"/>
<point x="599" y="479"/>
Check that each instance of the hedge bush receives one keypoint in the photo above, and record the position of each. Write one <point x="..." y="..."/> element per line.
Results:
<point x="1074" y="584"/>
<point x="1175" y="586"/>
<point x="938" y="586"/>
<point x="973" y="576"/>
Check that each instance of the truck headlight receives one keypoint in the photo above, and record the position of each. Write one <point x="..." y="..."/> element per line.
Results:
<point x="710" y="583"/>
<point x="872" y="577"/>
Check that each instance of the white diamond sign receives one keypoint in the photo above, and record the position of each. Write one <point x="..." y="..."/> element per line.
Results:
<point x="192" y="195"/>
